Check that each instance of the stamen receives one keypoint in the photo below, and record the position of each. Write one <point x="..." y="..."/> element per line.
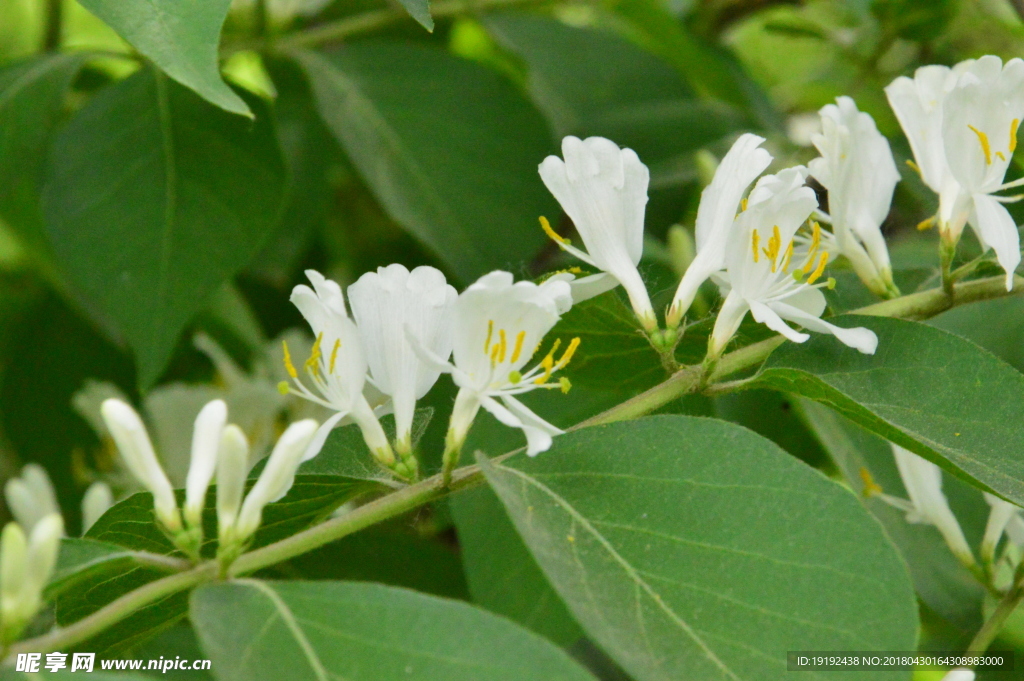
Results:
<point x="548" y="363"/>
<point x="755" y="241"/>
<point x="1013" y="134"/>
<point x="289" y="367"/>
<point x="774" y="243"/>
<point x="546" y="226"/>
<point x="501" y="345"/>
<point x="819" y="269"/>
<point x="494" y="355"/>
<point x="313" y="363"/>
<point x="569" y="352"/>
<point x="798" y="274"/>
<point x="787" y="257"/>
<point x="815" y="245"/>
<point x="518" y="349"/>
<point x="830" y="283"/>
<point x="284" y="388"/>
<point x="743" y="205"/>
<point x="983" y="138"/>
<point x="1001" y="157"/>
<point x="334" y="353"/>
<point x="490" y="332"/>
<point x="514" y="377"/>
<point x="914" y="166"/>
<point x="871" y="487"/>
<point x="927" y="224"/>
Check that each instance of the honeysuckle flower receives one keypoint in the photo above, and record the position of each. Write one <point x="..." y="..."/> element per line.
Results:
<point x="232" y="468"/>
<point x="603" y="190"/>
<point x="274" y="482"/>
<point x="499" y="326"/>
<point x="95" y="502"/>
<point x="336" y="368"/>
<point x="1000" y="515"/>
<point x="857" y="169"/>
<point x="765" y="276"/>
<point x="132" y="440"/>
<point x="928" y="505"/>
<point x="385" y="303"/>
<point x="26" y="565"/>
<point x="962" y="127"/>
<point x="206" y="436"/>
<point x="719" y="203"/>
<point x="30" y="496"/>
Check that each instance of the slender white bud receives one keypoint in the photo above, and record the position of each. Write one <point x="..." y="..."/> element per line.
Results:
<point x="97" y="499"/>
<point x="43" y="546"/>
<point x="13" y="573"/>
<point x="26" y="565"/>
<point x="133" y="442"/>
<point x="205" y="440"/>
<point x="232" y="467"/>
<point x="277" y="477"/>
<point x="1000" y="515"/>
<point x="30" y="496"/>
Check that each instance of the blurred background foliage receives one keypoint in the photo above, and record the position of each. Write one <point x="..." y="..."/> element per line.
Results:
<point x="138" y="215"/>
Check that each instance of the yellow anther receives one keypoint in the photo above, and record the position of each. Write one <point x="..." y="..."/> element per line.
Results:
<point x="913" y="166"/>
<point x="334" y="353"/>
<point x="983" y="138"/>
<point x="755" y="241"/>
<point x="743" y="205"/>
<point x="926" y="224"/>
<point x="1001" y="157"/>
<point x="565" y="385"/>
<point x="774" y="244"/>
<point x="490" y="332"/>
<point x="546" y="226"/>
<point x="548" y="363"/>
<point x="502" y="346"/>
<point x="815" y="245"/>
<point x="569" y="352"/>
<point x="494" y="355"/>
<point x="871" y="487"/>
<point x="313" y="363"/>
<point x="284" y="388"/>
<point x="1013" y="134"/>
<point x="787" y="257"/>
<point x="518" y="349"/>
<point x="289" y="367"/>
<point x="819" y="269"/>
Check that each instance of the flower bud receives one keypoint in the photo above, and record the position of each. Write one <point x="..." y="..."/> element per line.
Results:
<point x="232" y="466"/>
<point x="25" y="568"/>
<point x="206" y="438"/>
<point x="30" y="496"/>
<point x="97" y="499"/>
<point x="133" y="442"/>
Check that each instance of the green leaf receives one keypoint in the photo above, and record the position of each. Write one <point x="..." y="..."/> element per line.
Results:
<point x="939" y="578"/>
<point x="32" y="96"/>
<point x="130" y="524"/>
<point x="592" y="82"/>
<point x="420" y="11"/>
<point x="447" y="146"/>
<point x="148" y="220"/>
<point x="363" y="632"/>
<point x="82" y="560"/>
<point x="182" y="38"/>
<point x="934" y="393"/>
<point x="691" y="548"/>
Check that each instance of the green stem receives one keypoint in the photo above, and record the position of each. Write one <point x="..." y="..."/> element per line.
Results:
<point x="994" y="624"/>
<point x="947" y="251"/>
<point x="686" y="380"/>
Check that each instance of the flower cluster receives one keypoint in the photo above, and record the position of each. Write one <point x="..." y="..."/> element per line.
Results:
<point x="27" y="560"/>
<point x="407" y="328"/>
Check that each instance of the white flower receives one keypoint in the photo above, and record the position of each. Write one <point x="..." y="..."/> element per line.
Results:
<point x="384" y="303"/>
<point x="132" y="440"/>
<point x="499" y="326"/>
<point x="30" y="497"/>
<point x="95" y="502"/>
<point x="857" y="169"/>
<point x="205" y="440"/>
<point x="962" y="127"/>
<point x="275" y="480"/>
<point x="999" y="518"/>
<point x="26" y="565"/>
<point x="603" y="190"/>
<point x="765" y="276"/>
<point x="232" y="468"/>
<point x="337" y="366"/>
<point x="719" y="203"/>
<point x="928" y="505"/>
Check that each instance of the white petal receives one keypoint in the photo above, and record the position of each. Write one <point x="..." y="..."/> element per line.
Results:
<point x="206" y="437"/>
<point x="734" y="309"/>
<point x="515" y="414"/>
<point x="232" y="468"/>
<point x="98" y="498"/>
<point x="764" y="314"/>
<point x="859" y="338"/>
<point x="997" y="230"/>
<point x="587" y="287"/>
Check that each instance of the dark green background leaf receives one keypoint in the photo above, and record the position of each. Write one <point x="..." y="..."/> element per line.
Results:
<point x="154" y="198"/>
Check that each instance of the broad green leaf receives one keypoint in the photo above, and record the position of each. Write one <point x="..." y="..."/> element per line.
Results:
<point x="593" y="82"/>
<point x="256" y="631"/>
<point x="691" y="548"/>
<point x="181" y="36"/>
<point x="83" y="559"/>
<point x="939" y="579"/>
<point x="129" y="524"/>
<point x="148" y="220"/>
<point x="934" y="393"/>
<point x="32" y="96"/>
<point x="996" y="325"/>
<point x="447" y="146"/>
<point x="772" y="415"/>
<point x="420" y="11"/>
